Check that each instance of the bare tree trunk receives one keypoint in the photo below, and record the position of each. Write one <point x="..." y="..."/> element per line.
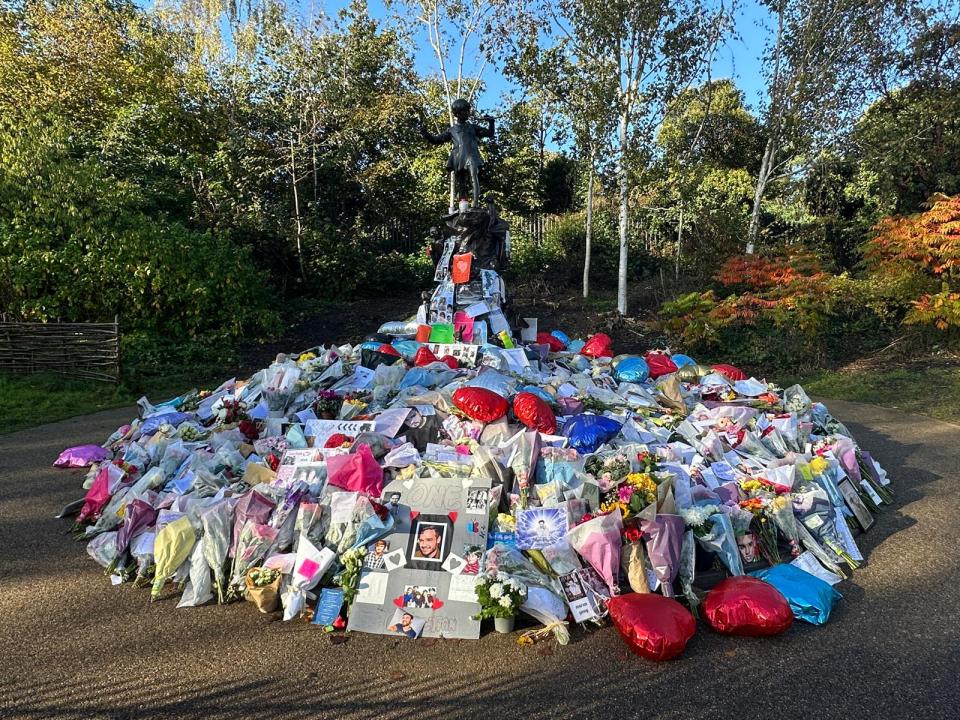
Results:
<point x="296" y="209"/>
<point x="453" y="191"/>
<point x="587" y="250"/>
<point x="676" y="266"/>
<point x="763" y="177"/>
<point x="624" y="218"/>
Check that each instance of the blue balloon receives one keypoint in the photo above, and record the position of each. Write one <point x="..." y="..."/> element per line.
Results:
<point x="588" y="432"/>
<point x="810" y="598"/>
<point x="575" y="346"/>
<point x="406" y="348"/>
<point x="679" y="359"/>
<point x="632" y="369"/>
<point x="561" y="336"/>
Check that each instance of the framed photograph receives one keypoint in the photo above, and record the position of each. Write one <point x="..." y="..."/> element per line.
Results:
<point x="429" y="542"/>
<point x="850" y="495"/>
<point x="406" y="623"/>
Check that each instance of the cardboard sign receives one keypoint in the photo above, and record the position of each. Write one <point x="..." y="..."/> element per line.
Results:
<point x="321" y="430"/>
<point x="441" y="541"/>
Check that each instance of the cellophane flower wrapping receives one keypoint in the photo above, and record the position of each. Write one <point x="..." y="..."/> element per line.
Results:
<point x="308" y="568"/>
<point x="721" y="539"/>
<point x="598" y="542"/>
<point x="103" y="549"/>
<point x="687" y="573"/>
<point x="217" y="523"/>
<point x="253" y="544"/>
<point x="663" y="536"/>
<point x="634" y="563"/>
<point x="549" y="608"/>
<point x="313" y="519"/>
<point x="512" y="563"/>
<point x="173" y="546"/>
<point x="253" y="507"/>
<point x="198" y="589"/>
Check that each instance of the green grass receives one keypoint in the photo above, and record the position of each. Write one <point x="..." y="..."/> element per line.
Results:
<point x="30" y="400"/>
<point x="933" y="391"/>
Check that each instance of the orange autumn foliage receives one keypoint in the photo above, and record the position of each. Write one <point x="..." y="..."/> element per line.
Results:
<point x="923" y="246"/>
<point x="928" y="242"/>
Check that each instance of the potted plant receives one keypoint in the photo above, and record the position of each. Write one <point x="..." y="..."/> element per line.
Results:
<point x="500" y="598"/>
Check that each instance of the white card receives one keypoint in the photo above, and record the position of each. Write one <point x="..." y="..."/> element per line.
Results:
<point x="528" y="333"/>
<point x="463" y="588"/>
<point x="394" y="560"/>
<point x="389" y="422"/>
<point x="454" y="564"/>
<point x="372" y="588"/>
<point x="321" y="430"/>
<point x="477" y="309"/>
<point x="341" y="506"/>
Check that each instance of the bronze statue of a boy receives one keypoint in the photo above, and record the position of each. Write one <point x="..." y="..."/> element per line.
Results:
<point x="465" y="158"/>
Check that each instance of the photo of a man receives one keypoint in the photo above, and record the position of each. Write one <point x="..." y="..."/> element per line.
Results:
<point x="392" y="502"/>
<point x="404" y="623"/>
<point x="375" y="555"/>
<point x="747" y="543"/>
<point x="429" y="543"/>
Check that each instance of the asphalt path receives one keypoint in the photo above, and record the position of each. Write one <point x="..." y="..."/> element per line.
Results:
<point x="73" y="646"/>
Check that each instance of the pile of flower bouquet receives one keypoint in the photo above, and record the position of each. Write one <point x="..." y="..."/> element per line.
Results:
<point x="667" y="477"/>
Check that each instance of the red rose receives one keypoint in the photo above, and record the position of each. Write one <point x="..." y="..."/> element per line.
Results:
<point x="632" y="535"/>
<point x="337" y="440"/>
<point x="249" y="429"/>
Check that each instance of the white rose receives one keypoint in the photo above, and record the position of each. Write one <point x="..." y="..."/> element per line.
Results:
<point x="496" y="590"/>
<point x="505" y="601"/>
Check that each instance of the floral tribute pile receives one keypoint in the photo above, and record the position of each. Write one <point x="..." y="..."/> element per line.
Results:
<point x="416" y="489"/>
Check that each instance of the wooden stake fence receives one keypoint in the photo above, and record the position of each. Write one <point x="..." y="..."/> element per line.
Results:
<point x="85" y="350"/>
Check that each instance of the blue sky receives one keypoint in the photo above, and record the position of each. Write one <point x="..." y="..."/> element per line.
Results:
<point x="739" y="59"/>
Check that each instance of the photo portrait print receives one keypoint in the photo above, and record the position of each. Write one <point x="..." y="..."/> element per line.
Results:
<point x="429" y="542"/>
<point x="405" y="623"/>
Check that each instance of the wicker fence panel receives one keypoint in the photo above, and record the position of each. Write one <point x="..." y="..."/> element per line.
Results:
<point x="85" y="350"/>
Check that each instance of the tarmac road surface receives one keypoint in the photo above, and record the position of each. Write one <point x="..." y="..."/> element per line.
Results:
<point x="73" y="646"/>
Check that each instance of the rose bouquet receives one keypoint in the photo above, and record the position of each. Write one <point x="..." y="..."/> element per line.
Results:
<point x="263" y="588"/>
<point x="253" y="544"/>
<point x="349" y="577"/>
<point x="608" y="469"/>
<point x="633" y="558"/>
<point x="328" y="404"/>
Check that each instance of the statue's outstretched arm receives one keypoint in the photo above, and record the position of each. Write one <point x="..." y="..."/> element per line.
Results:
<point x="485" y="132"/>
<point x="434" y="139"/>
